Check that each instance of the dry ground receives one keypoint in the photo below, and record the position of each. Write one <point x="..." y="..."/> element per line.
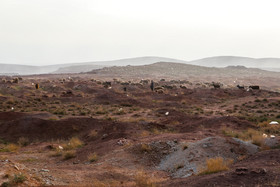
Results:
<point x="80" y="131"/>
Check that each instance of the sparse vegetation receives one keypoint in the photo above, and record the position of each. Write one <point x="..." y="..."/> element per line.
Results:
<point x="14" y="180"/>
<point x="143" y="180"/>
<point x="214" y="165"/>
<point x="111" y="122"/>
<point x="73" y="144"/>
<point x="93" y="133"/>
<point x="23" y="141"/>
<point x="145" y="148"/>
<point x="10" y="148"/>
<point x="185" y="146"/>
<point x="69" y="154"/>
<point x="18" y="178"/>
<point x="93" y="157"/>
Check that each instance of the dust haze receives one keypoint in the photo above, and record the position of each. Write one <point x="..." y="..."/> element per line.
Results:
<point x="139" y="93"/>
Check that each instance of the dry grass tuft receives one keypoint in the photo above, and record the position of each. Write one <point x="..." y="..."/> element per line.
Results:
<point x="22" y="141"/>
<point x="10" y="148"/>
<point x="69" y="154"/>
<point x="215" y="165"/>
<point x="252" y="135"/>
<point x="145" y="148"/>
<point x="144" y="134"/>
<point x="93" y="133"/>
<point x="258" y="140"/>
<point x="73" y="144"/>
<point x="143" y="180"/>
<point x="269" y="129"/>
<point x="93" y="157"/>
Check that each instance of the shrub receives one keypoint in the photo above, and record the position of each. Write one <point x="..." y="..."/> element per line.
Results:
<point x="93" y="133"/>
<point x="73" y="143"/>
<point x="270" y="129"/>
<point x="23" y="141"/>
<point x="144" y="133"/>
<point x="57" y="153"/>
<point x="145" y="148"/>
<point x="214" y="165"/>
<point x="93" y="157"/>
<point x="143" y="180"/>
<point x="185" y="146"/>
<point x="18" y="178"/>
<point x="258" y="139"/>
<point x="10" y="102"/>
<point x="5" y="184"/>
<point x="69" y="154"/>
<point x="10" y="148"/>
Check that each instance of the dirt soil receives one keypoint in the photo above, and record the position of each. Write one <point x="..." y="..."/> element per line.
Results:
<point x="85" y="130"/>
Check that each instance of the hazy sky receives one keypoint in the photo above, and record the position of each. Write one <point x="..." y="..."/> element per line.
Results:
<point x="61" y="31"/>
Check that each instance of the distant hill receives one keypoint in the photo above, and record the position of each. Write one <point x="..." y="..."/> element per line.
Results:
<point x="224" y="61"/>
<point x="16" y="69"/>
<point x="180" y="70"/>
<point x="85" y="67"/>
<point x="79" y="67"/>
<point x="272" y="64"/>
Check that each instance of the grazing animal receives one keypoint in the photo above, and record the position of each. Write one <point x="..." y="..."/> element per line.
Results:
<point x="240" y="87"/>
<point x="107" y="84"/>
<point x="216" y="85"/>
<point x="144" y="81"/>
<point x="168" y="87"/>
<point x="15" y="80"/>
<point x="254" y="87"/>
<point x="183" y="87"/>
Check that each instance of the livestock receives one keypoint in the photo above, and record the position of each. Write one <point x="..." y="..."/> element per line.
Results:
<point x="168" y="87"/>
<point x="183" y="87"/>
<point x="144" y="81"/>
<point x="107" y="84"/>
<point x="216" y="85"/>
<point x="254" y="87"/>
<point x="15" y="80"/>
<point x="160" y="91"/>
<point x="240" y="87"/>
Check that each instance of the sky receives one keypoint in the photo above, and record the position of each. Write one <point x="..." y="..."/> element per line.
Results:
<point x="44" y="32"/>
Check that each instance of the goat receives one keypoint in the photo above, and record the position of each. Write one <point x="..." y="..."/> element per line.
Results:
<point x="254" y="87"/>
<point x="240" y="87"/>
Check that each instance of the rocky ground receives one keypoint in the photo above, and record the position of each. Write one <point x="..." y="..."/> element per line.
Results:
<point x="84" y="130"/>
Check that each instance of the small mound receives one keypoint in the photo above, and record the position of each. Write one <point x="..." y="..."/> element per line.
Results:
<point x="189" y="160"/>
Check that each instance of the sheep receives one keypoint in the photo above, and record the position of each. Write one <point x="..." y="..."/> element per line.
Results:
<point x="144" y="81"/>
